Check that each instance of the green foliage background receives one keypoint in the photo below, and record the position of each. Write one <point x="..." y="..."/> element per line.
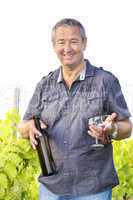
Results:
<point x="19" y="167"/>
<point x="123" y="157"/>
<point x="18" y="163"/>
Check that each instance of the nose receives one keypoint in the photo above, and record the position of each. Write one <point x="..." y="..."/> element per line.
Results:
<point x="67" y="47"/>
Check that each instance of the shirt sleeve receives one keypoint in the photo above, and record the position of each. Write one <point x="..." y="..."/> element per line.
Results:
<point x="117" y="101"/>
<point x="34" y="107"/>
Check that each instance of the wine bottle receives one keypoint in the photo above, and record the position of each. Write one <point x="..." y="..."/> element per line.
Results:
<point x="44" y="151"/>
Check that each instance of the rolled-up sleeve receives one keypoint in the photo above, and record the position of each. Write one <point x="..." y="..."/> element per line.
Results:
<point x="116" y="100"/>
<point x="34" y="107"/>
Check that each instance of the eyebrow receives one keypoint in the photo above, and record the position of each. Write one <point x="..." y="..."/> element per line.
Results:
<point x="61" y="39"/>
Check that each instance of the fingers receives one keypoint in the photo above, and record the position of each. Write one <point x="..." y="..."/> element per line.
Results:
<point x="111" y="117"/>
<point x="102" y="131"/>
<point x="33" y="139"/>
<point x="109" y="123"/>
<point x="96" y="132"/>
<point x="34" y="134"/>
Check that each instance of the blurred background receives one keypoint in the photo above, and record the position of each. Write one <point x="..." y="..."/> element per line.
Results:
<point x="26" y="53"/>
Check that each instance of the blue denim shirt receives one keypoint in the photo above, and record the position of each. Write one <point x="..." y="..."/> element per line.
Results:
<point x="81" y="170"/>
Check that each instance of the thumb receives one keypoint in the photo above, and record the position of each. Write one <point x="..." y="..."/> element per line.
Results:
<point x="109" y="122"/>
<point x="111" y="117"/>
<point x="43" y="125"/>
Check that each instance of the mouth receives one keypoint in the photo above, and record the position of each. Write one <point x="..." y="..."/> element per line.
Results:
<point x="68" y="56"/>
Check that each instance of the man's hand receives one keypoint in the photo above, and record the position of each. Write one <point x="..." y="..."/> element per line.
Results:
<point x="28" y="130"/>
<point x="109" y="123"/>
<point x="103" y="131"/>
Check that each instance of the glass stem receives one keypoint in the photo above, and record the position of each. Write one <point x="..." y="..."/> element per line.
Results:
<point x="96" y="141"/>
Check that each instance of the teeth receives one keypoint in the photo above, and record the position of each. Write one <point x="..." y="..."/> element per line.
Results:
<point x="68" y="55"/>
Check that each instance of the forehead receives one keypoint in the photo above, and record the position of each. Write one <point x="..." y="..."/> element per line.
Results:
<point x="67" y="32"/>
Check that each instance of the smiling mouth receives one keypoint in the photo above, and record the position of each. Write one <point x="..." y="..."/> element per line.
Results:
<point x="68" y="56"/>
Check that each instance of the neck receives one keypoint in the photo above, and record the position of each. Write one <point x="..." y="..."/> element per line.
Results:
<point x="71" y="74"/>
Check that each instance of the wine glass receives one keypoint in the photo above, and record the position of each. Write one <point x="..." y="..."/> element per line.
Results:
<point x="98" y="121"/>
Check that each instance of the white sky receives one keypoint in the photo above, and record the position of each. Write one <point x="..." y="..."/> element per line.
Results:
<point x="25" y="45"/>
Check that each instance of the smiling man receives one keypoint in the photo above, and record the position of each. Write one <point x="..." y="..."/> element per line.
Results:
<point x="69" y="46"/>
<point x="64" y="101"/>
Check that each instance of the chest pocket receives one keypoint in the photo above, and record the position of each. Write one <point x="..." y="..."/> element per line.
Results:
<point x="50" y="106"/>
<point x="94" y="104"/>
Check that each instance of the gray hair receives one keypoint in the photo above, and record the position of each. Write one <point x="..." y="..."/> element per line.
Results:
<point x="69" y="22"/>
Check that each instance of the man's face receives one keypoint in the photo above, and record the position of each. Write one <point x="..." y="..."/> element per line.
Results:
<point x="69" y="45"/>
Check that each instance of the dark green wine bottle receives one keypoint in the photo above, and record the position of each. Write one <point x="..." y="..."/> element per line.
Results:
<point x="44" y="151"/>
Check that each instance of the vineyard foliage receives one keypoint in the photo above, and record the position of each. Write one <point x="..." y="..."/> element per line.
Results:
<point x="19" y="167"/>
<point x="18" y="163"/>
<point x="123" y="158"/>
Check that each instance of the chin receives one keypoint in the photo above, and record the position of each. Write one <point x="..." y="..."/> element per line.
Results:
<point x="68" y="63"/>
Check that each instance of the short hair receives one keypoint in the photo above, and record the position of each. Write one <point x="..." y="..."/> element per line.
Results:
<point x="69" y="22"/>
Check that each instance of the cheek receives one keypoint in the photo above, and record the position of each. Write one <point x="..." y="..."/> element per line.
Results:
<point x="58" y="51"/>
<point x="78" y="49"/>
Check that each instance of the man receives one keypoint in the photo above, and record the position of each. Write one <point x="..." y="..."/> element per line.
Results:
<point x="65" y="100"/>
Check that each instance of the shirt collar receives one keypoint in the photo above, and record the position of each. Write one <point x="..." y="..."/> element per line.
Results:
<point x="60" y="78"/>
<point x="81" y="76"/>
<point x="88" y="71"/>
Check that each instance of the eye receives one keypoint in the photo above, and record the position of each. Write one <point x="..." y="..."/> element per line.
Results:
<point x="60" y="42"/>
<point x="74" y="42"/>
